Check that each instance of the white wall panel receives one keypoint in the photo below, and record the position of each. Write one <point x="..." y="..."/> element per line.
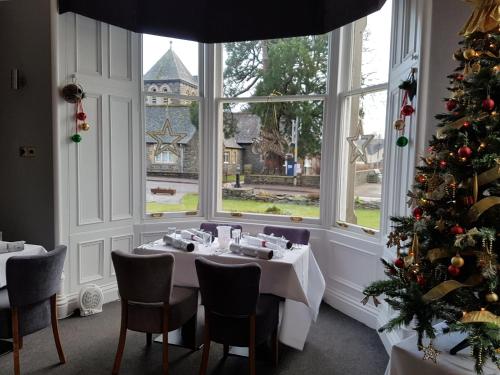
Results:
<point x="89" y="165"/>
<point x="119" y="53"/>
<point x="121" y="159"/>
<point x="88" y="46"/>
<point x="90" y="261"/>
<point x="123" y="243"/>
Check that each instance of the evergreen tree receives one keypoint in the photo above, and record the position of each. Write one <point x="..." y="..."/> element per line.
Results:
<point x="447" y="264"/>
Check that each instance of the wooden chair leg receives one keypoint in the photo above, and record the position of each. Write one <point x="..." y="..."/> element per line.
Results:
<point x="149" y="339"/>
<point x="274" y="343"/>
<point x="206" y="347"/>
<point x="165" y="338"/>
<point x="55" y="329"/>
<point x="251" y="346"/>
<point x="15" y="336"/>
<point x="226" y="350"/>
<point x="21" y="342"/>
<point x="121" y="341"/>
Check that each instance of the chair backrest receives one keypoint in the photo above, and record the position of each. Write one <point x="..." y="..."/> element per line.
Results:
<point x="34" y="278"/>
<point x="228" y="289"/>
<point x="295" y="235"/>
<point x="212" y="227"/>
<point x="144" y="278"/>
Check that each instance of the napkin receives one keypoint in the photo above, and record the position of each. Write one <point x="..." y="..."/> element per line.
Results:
<point x="10" y="247"/>
<point x="281" y="241"/>
<point x="260" y="242"/>
<point x="178" y="243"/>
<point x="188" y="235"/>
<point x="251" y="251"/>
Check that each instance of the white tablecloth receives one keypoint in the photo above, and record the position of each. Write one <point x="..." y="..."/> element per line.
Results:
<point x="28" y="250"/>
<point x="295" y="277"/>
<point x="406" y="359"/>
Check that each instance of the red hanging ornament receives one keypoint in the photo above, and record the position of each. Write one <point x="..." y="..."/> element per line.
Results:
<point x="464" y="152"/>
<point x="466" y="124"/>
<point x="457" y="229"/>
<point x="400" y="263"/>
<point x="420" y="280"/>
<point x="82" y="116"/>
<point x="451" y="105"/>
<point x="417" y="213"/>
<point x="453" y="271"/>
<point x="443" y="164"/>
<point x="488" y="104"/>
<point x="421" y="178"/>
<point x="407" y="110"/>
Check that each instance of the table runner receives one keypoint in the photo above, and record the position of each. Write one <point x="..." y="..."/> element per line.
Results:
<point x="295" y="277"/>
<point x="28" y="250"/>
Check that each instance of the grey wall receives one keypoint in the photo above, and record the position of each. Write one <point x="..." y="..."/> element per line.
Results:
<point x="26" y="185"/>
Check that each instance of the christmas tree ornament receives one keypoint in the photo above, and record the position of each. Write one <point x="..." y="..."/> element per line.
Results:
<point x="421" y="178"/>
<point x="417" y="213"/>
<point x="457" y="261"/>
<point x="469" y="53"/>
<point x="84" y="126"/>
<point x="476" y="67"/>
<point x="488" y="104"/>
<point x="443" y="164"/>
<point x="440" y="225"/>
<point x="420" y="280"/>
<point x="407" y="110"/>
<point x="496" y="69"/>
<point x="430" y="353"/>
<point x="451" y="104"/>
<point x="458" y="55"/>
<point x="82" y="116"/>
<point x="400" y="263"/>
<point x="457" y="229"/>
<point x="77" y="138"/>
<point x="399" y="124"/>
<point x="453" y="271"/>
<point x="464" y="152"/>
<point x="466" y="124"/>
<point x="491" y="297"/>
<point x="402" y="141"/>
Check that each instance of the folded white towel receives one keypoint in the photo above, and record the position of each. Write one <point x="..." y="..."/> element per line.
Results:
<point x="10" y="247"/>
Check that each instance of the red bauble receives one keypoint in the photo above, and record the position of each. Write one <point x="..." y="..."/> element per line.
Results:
<point x="417" y="213"/>
<point x="464" y="152"/>
<point x="407" y="110"/>
<point x="420" y="280"/>
<point x="457" y="229"/>
<point x="443" y="164"/>
<point x="81" y="116"/>
<point x="453" y="271"/>
<point x="466" y="124"/>
<point x="400" y="263"/>
<point x="421" y="178"/>
<point x="488" y="104"/>
<point x="459" y="77"/>
<point x="451" y="105"/>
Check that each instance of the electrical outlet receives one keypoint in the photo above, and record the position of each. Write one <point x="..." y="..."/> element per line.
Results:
<point x="27" y="152"/>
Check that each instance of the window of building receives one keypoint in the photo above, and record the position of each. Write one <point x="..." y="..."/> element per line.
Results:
<point x="171" y="125"/>
<point x="226" y="157"/>
<point x="363" y="124"/>
<point x="271" y="109"/>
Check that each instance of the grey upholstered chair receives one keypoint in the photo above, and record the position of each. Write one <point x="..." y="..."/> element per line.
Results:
<point x="295" y="235"/>
<point x="28" y="304"/>
<point x="235" y="313"/>
<point x="212" y="227"/>
<point x="150" y="303"/>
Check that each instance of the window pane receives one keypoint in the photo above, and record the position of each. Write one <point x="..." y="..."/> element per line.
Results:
<point x="371" y="46"/>
<point x="364" y="131"/>
<point x="169" y="66"/>
<point x="172" y="157"/>
<point x="275" y="177"/>
<point x="291" y="66"/>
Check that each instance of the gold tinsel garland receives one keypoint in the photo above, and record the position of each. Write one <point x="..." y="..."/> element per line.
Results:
<point x="484" y="18"/>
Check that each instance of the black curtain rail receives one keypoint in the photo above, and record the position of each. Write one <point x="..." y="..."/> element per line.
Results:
<point x="217" y="21"/>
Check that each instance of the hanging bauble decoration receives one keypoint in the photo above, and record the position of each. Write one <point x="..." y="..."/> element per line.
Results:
<point x="496" y="69"/>
<point x="409" y="86"/>
<point x="458" y="55"/>
<point x="421" y="280"/>
<point x="457" y="261"/>
<point x="464" y="152"/>
<point x="421" y="178"/>
<point x="400" y="263"/>
<point x="73" y="93"/>
<point x="457" y="229"/>
<point x="443" y="164"/>
<point x="82" y="116"/>
<point x="417" y="213"/>
<point x="84" y="126"/>
<point x="402" y="141"/>
<point x="469" y="53"/>
<point x="399" y="124"/>
<point x="407" y="110"/>
<point x="466" y="124"/>
<point x="488" y="104"/>
<point x="453" y="271"/>
<point x="451" y="105"/>
<point x="77" y="138"/>
<point x="476" y="67"/>
<point x="491" y="297"/>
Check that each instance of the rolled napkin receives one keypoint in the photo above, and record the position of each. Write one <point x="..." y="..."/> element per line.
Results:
<point x="260" y="242"/>
<point x="283" y="242"/>
<point x="251" y="251"/>
<point x="11" y="247"/>
<point x="178" y="243"/>
<point x="190" y="236"/>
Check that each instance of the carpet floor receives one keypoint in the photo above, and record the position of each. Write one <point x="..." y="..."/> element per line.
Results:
<point x="336" y="345"/>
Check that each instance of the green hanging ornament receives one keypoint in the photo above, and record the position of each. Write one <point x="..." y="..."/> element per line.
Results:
<point x="76" y="138"/>
<point x="402" y="141"/>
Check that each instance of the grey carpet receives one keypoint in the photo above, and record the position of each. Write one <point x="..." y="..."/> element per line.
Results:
<point x="336" y="344"/>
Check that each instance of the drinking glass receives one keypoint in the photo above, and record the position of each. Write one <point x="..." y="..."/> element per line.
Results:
<point x="207" y="239"/>
<point x="224" y="236"/>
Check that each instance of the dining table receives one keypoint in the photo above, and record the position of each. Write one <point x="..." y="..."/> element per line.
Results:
<point x="294" y="276"/>
<point x="29" y="249"/>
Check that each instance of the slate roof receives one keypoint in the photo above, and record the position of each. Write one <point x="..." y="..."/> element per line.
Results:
<point x="180" y="120"/>
<point x="170" y="68"/>
<point x="231" y="143"/>
<point x="247" y="127"/>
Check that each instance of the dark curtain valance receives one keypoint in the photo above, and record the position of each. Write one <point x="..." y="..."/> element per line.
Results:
<point x="214" y="21"/>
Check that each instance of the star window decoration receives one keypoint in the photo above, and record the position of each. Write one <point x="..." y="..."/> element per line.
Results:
<point x="358" y="144"/>
<point x="162" y="146"/>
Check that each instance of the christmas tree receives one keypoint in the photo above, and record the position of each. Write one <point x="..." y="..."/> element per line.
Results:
<point x="448" y="250"/>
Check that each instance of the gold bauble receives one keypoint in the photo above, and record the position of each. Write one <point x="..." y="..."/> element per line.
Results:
<point x="84" y="126"/>
<point x="491" y="297"/>
<point x="457" y="261"/>
<point x="399" y="124"/>
<point x="476" y="67"/>
<point x="469" y="53"/>
<point x="496" y="69"/>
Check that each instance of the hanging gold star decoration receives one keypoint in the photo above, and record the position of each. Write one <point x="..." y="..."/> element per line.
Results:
<point x="358" y="144"/>
<point x="440" y="225"/>
<point x="162" y="146"/>
<point x="430" y="352"/>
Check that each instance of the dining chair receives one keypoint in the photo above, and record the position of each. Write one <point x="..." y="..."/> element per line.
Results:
<point x="236" y="314"/>
<point x="212" y="227"/>
<point x="295" y="235"/>
<point x="28" y="303"/>
<point x="150" y="303"/>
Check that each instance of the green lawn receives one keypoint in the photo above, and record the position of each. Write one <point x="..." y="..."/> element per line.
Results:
<point x="366" y="218"/>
